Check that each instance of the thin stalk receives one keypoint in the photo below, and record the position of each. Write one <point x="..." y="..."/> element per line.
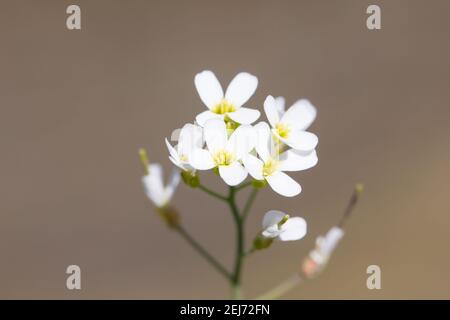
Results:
<point x="202" y="251"/>
<point x="351" y="204"/>
<point x="282" y="288"/>
<point x="213" y="193"/>
<point x="239" y="255"/>
<point x="249" y="203"/>
<point x="242" y="186"/>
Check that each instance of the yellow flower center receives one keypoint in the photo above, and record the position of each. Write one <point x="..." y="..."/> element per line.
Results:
<point x="223" y="107"/>
<point x="283" y="130"/>
<point x="223" y="158"/>
<point x="184" y="158"/>
<point x="270" y="167"/>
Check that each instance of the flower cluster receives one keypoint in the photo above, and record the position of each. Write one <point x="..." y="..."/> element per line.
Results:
<point x="227" y="139"/>
<point x="223" y="138"/>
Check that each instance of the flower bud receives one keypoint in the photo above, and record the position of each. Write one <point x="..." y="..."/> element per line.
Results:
<point x="359" y="188"/>
<point x="261" y="242"/>
<point x="259" y="184"/>
<point x="170" y="216"/>
<point x="230" y="124"/>
<point x="190" y="178"/>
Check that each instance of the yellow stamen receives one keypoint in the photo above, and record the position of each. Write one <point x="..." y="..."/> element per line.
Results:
<point x="223" y="158"/>
<point x="283" y="130"/>
<point x="270" y="167"/>
<point x="223" y="107"/>
<point x="283" y="221"/>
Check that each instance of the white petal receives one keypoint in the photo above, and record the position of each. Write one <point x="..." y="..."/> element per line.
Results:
<point x="294" y="161"/>
<point x="254" y="166"/>
<point x="293" y="229"/>
<point x="176" y="162"/>
<point x="205" y="116"/>
<point x="263" y="140"/>
<point x="173" y="153"/>
<point x="215" y="134"/>
<point x="300" y="115"/>
<point x="191" y="137"/>
<point x="331" y="240"/>
<point x="271" y="110"/>
<point x="201" y="160"/>
<point x="153" y="185"/>
<point x="271" y="232"/>
<point x="156" y="195"/>
<point x="272" y="218"/>
<point x="155" y="175"/>
<point x="241" y="141"/>
<point x="280" y="102"/>
<point x="233" y="174"/>
<point x="282" y="184"/>
<point x="174" y="180"/>
<point x="244" y="115"/>
<point x="241" y="88"/>
<point x="208" y="88"/>
<point x="301" y="140"/>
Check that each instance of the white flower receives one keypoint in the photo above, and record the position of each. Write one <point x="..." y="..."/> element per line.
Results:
<point x="290" y="126"/>
<point x="319" y="257"/>
<point x="326" y="245"/>
<point x="223" y="152"/>
<point x="240" y="89"/>
<point x="277" y="224"/>
<point x="190" y="138"/>
<point x="271" y="166"/>
<point x="154" y="187"/>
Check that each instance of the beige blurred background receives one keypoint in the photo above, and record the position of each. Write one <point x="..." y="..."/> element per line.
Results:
<point x="76" y="106"/>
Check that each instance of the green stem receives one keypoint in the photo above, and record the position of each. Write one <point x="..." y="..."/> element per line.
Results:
<point x="212" y="193"/>
<point x="244" y="185"/>
<point x="249" y="203"/>
<point x="239" y="255"/>
<point x="202" y="251"/>
<point x="235" y="276"/>
<point x="282" y="288"/>
<point x="249" y="251"/>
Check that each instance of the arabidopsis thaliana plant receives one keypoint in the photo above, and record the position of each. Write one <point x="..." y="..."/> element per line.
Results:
<point x="272" y="165"/>
<point x="290" y="126"/>
<point x="277" y="224"/>
<point x="190" y="138"/>
<point x="223" y="152"/>
<point x="221" y="105"/>
<point x="154" y="187"/>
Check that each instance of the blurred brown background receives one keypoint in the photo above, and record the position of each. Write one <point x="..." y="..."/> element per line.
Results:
<point x="76" y="106"/>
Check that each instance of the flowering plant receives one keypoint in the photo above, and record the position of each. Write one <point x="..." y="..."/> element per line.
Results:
<point x="223" y="139"/>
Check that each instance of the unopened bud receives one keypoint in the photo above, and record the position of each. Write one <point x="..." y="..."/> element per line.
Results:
<point x="230" y="124"/>
<point x="259" y="184"/>
<point x="261" y="242"/>
<point x="190" y="178"/>
<point x="359" y="189"/>
<point x="170" y="216"/>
